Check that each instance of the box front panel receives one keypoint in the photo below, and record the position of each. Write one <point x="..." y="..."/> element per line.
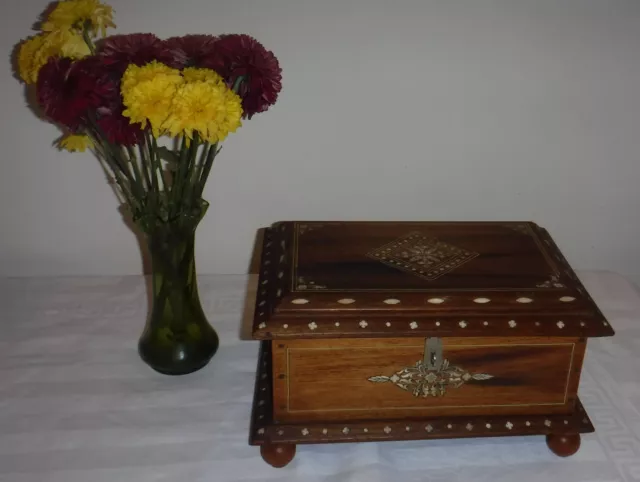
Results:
<point x="349" y="379"/>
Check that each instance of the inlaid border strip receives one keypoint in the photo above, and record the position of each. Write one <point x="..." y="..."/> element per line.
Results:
<point x="330" y="327"/>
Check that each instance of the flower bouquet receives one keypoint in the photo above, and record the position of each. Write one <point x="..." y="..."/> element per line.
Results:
<point x="154" y="112"/>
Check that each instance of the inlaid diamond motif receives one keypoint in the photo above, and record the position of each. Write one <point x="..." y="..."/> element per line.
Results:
<point x="422" y="255"/>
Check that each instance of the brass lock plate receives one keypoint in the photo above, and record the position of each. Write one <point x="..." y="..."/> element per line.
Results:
<point x="431" y="376"/>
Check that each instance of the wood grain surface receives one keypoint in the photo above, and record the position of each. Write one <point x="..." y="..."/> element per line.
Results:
<point x="321" y="279"/>
<point x="330" y="379"/>
<point x="265" y="430"/>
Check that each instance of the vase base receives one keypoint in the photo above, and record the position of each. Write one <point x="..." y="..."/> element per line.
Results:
<point x="179" y="359"/>
<point x="178" y="372"/>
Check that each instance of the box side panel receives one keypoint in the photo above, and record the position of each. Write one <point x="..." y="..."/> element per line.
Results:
<point x="359" y="379"/>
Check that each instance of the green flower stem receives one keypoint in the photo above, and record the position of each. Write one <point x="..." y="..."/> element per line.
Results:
<point x="176" y="187"/>
<point x="238" y="83"/>
<point x="133" y="159"/>
<point x="188" y="203"/>
<point x="110" y="148"/>
<point x="213" y="152"/>
<point x="108" y="170"/>
<point x="87" y="39"/>
<point x="117" y="165"/>
<point x="148" y="196"/>
<point x="137" y="175"/>
<point x="152" y="162"/>
<point x="136" y="187"/>
<point x="144" y="160"/>
<point x="172" y="249"/>
<point x="165" y="286"/>
<point x="184" y="168"/>
<point x="123" y="184"/>
<point x="158" y="163"/>
<point x="197" y="171"/>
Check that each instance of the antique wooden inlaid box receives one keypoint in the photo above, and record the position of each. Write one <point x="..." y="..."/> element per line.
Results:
<point x="395" y="331"/>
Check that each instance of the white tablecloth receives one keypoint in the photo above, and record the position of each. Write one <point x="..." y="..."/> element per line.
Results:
<point x="78" y="405"/>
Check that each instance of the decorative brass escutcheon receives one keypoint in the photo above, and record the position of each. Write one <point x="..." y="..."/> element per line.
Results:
<point x="431" y="376"/>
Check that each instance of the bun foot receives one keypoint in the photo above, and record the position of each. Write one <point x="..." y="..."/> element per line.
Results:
<point x="278" y="455"/>
<point x="563" y="445"/>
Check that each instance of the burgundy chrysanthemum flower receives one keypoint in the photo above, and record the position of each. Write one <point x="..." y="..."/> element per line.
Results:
<point x="117" y="127"/>
<point x="75" y="94"/>
<point x="192" y="50"/>
<point x="108" y="115"/>
<point x="119" y="51"/>
<point x="242" y="55"/>
<point x="68" y="91"/>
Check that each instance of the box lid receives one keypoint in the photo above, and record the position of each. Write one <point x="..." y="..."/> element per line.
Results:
<point x="372" y="279"/>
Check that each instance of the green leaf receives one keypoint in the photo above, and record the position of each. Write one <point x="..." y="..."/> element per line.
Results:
<point x="167" y="155"/>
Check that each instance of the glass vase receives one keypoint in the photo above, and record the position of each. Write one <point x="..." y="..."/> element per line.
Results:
<point x="177" y="338"/>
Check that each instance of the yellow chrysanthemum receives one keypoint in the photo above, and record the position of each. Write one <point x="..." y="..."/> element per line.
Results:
<point x="64" y="43"/>
<point x="212" y="110"/>
<point x="135" y="75"/>
<point x="70" y="44"/>
<point x="78" y="15"/>
<point x="36" y="51"/>
<point x="150" y="100"/>
<point x="26" y="57"/>
<point x="193" y="74"/>
<point x="75" y="143"/>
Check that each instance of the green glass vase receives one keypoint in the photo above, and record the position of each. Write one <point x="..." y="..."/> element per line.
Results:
<point x="177" y="338"/>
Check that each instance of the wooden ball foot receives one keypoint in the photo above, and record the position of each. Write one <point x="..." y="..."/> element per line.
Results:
<point x="563" y="445"/>
<point x="278" y="455"/>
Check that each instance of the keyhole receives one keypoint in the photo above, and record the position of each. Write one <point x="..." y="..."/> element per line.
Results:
<point x="433" y="358"/>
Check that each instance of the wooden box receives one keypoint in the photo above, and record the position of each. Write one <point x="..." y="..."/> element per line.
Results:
<point x="395" y="331"/>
